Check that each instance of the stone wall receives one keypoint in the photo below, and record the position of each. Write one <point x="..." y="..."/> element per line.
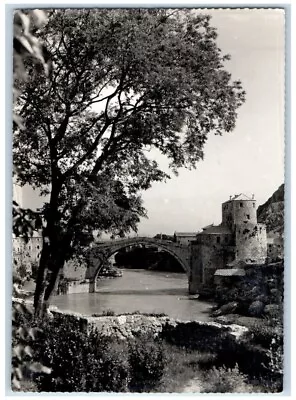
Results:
<point x="251" y="243"/>
<point x="206" y="259"/>
<point x="128" y="326"/>
<point x="236" y="212"/>
<point x="72" y="287"/>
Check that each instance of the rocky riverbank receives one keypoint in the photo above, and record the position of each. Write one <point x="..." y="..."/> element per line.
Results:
<point x="174" y="355"/>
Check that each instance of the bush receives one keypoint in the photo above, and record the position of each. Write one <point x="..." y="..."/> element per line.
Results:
<point x="263" y="334"/>
<point x="24" y="363"/>
<point x="81" y="361"/>
<point x="195" y="336"/>
<point x="147" y="363"/>
<point x="225" y="380"/>
<point x="108" y="313"/>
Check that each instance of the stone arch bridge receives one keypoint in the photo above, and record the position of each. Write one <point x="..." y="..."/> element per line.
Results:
<point x="100" y="252"/>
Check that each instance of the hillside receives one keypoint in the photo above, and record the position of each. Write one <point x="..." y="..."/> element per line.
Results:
<point x="271" y="213"/>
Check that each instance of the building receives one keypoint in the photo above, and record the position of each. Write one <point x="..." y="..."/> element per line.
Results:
<point x="184" y="237"/>
<point x="24" y="253"/>
<point x="239" y="239"/>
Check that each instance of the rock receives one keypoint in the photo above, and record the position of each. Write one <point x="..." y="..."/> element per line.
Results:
<point x="262" y="298"/>
<point x="272" y="310"/>
<point x="255" y="290"/>
<point x="256" y="308"/>
<point x="227" y="319"/>
<point x="228" y="308"/>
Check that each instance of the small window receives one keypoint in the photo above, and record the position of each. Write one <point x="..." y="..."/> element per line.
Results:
<point x="248" y="216"/>
<point x="226" y="239"/>
<point x="218" y="239"/>
<point x="37" y="247"/>
<point x="241" y="205"/>
<point x="253" y="205"/>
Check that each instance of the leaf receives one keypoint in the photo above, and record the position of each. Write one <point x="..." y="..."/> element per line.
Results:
<point x="22" y="332"/>
<point x="33" y="332"/>
<point x="38" y="367"/>
<point x="28" y="350"/>
<point x="19" y="374"/>
<point x="15" y="383"/>
<point x="18" y="351"/>
<point x="25" y="45"/>
<point x="46" y="370"/>
<point x="39" y="17"/>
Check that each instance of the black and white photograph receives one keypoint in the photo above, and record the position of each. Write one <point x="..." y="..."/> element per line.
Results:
<point x="148" y="200"/>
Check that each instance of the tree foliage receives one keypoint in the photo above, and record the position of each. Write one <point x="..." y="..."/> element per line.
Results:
<point x="123" y="82"/>
<point x="26" y="46"/>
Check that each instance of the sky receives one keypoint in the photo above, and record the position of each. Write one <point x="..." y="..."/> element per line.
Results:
<point x="248" y="160"/>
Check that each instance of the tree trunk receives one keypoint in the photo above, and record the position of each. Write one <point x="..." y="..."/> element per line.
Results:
<point x="51" y="263"/>
<point x="49" y="290"/>
<point x="41" y="279"/>
<point x="47" y="279"/>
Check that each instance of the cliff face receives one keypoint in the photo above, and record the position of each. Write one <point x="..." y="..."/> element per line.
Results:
<point x="271" y="213"/>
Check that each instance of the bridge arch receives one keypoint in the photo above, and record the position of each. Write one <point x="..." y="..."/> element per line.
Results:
<point x="102" y="251"/>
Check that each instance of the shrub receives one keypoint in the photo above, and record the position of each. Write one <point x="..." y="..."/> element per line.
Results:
<point x="225" y="380"/>
<point x="147" y="363"/>
<point x="195" y="336"/>
<point x="108" y="313"/>
<point x="81" y="361"/>
<point x="263" y="335"/>
<point x="24" y="362"/>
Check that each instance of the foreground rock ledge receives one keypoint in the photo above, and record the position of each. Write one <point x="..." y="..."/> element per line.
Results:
<point x="128" y="326"/>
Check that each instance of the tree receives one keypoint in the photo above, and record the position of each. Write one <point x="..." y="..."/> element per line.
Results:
<point x="122" y="82"/>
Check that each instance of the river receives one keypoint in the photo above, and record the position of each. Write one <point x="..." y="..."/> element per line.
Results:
<point x="139" y="290"/>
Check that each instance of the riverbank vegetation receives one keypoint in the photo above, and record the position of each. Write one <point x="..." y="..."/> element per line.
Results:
<point x="178" y="359"/>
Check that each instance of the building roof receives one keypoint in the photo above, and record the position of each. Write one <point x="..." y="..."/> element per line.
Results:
<point x="230" y="272"/>
<point x="212" y="229"/>
<point x="240" y="197"/>
<point x="185" y="234"/>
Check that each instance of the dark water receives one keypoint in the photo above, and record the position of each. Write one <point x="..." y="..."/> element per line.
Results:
<point x="139" y="290"/>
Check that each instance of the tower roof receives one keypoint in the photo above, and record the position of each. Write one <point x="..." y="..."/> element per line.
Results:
<point x="241" y="196"/>
<point x="215" y="229"/>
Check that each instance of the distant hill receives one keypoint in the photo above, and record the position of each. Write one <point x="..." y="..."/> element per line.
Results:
<point x="271" y="213"/>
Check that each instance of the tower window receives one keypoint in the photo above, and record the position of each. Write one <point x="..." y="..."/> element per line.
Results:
<point x="253" y="205"/>
<point x="241" y="205"/>
<point x="218" y="239"/>
<point x="248" y="216"/>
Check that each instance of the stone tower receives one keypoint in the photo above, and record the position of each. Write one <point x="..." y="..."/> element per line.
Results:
<point x="239" y="209"/>
<point x="240" y="215"/>
<point x="238" y="239"/>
